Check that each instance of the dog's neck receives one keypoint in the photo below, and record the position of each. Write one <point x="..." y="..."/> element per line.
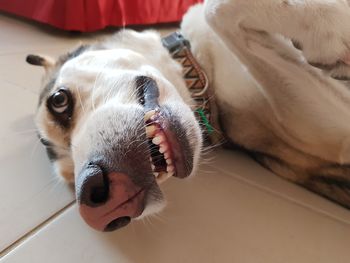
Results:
<point x="197" y="83"/>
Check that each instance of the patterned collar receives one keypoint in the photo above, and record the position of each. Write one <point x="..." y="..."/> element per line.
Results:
<point x="197" y="83"/>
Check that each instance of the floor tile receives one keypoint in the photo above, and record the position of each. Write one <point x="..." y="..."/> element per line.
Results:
<point x="249" y="171"/>
<point x="213" y="217"/>
<point x="29" y="192"/>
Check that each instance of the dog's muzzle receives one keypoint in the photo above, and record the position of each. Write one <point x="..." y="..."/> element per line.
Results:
<point x="112" y="186"/>
<point x="108" y="201"/>
<point x="141" y="149"/>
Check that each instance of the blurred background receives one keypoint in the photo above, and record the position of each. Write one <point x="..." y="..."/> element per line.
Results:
<point x="93" y="15"/>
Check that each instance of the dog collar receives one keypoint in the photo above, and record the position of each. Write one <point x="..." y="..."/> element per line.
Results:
<point x="198" y="84"/>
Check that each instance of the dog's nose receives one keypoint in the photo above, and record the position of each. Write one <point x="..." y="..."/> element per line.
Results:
<point x="94" y="186"/>
<point x="108" y="201"/>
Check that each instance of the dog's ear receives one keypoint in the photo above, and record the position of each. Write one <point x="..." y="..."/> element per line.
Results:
<point x="43" y="61"/>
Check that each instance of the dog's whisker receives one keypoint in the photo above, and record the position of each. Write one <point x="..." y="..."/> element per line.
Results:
<point x="150" y="226"/>
<point x="80" y="101"/>
<point x="52" y="184"/>
<point x="206" y="162"/>
<point x="28" y="132"/>
<point x="57" y="183"/>
<point x="213" y="146"/>
<point x="35" y="147"/>
<point x="141" y="144"/>
<point x="48" y="187"/>
<point x="109" y="94"/>
<point x="159" y="217"/>
<point x="94" y="90"/>
<point x="209" y="158"/>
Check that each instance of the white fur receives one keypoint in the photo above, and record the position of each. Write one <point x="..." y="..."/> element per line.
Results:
<point x="306" y="111"/>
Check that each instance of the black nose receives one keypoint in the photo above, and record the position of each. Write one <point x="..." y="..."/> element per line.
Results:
<point x="92" y="187"/>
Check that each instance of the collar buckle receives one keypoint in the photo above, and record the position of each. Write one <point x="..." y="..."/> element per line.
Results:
<point x="175" y="41"/>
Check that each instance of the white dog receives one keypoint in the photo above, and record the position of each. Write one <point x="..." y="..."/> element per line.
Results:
<point x="122" y="115"/>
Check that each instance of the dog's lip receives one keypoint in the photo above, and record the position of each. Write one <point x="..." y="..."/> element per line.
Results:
<point x="163" y="119"/>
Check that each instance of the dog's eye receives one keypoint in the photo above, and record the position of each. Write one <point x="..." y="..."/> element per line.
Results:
<point x="61" y="104"/>
<point x="59" y="101"/>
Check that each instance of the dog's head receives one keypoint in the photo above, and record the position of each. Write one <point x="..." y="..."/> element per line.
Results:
<point x="115" y="118"/>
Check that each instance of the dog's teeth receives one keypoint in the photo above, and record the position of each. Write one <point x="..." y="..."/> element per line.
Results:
<point x="168" y="161"/>
<point x="166" y="155"/>
<point x="163" y="148"/>
<point x="155" y="174"/>
<point x="157" y="139"/>
<point x="150" y="131"/>
<point x="153" y="167"/>
<point x="149" y="114"/>
<point x="170" y="168"/>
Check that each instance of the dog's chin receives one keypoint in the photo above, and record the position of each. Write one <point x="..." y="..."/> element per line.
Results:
<point x="184" y="141"/>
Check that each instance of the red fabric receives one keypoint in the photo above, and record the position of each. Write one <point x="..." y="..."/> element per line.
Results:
<point x="91" y="15"/>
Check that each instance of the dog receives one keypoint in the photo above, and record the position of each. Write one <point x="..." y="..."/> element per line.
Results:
<point x="122" y="115"/>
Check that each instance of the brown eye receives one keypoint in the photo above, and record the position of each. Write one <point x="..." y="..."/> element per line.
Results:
<point x="60" y="101"/>
<point x="61" y="105"/>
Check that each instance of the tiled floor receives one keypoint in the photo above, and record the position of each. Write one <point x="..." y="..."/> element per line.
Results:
<point x="233" y="211"/>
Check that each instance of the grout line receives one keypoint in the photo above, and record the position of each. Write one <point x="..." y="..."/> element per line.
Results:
<point x="283" y="196"/>
<point x="35" y="230"/>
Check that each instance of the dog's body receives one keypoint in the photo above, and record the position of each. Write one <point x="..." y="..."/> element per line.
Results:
<point x="289" y="115"/>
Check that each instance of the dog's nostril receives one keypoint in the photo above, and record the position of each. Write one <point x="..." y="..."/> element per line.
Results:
<point x="99" y="194"/>
<point x="117" y="223"/>
<point x="92" y="186"/>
